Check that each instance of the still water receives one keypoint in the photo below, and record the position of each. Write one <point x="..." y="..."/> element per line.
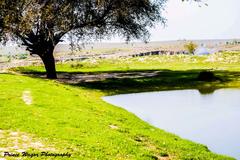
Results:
<point x="209" y="119"/>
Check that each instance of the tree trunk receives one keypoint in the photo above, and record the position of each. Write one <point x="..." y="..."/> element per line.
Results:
<point x="49" y="64"/>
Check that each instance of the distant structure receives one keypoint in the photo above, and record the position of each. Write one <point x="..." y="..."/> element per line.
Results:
<point x="201" y="51"/>
<point x="204" y="51"/>
<point x="159" y="52"/>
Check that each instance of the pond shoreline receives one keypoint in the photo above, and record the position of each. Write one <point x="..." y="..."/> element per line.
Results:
<point x="147" y="108"/>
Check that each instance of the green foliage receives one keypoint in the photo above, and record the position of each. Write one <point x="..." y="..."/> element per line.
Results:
<point x="41" y="21"/>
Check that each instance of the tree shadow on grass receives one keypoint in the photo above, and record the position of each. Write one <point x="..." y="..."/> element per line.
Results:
<point x="134" y="81"/>
<point x="158" y="80"/>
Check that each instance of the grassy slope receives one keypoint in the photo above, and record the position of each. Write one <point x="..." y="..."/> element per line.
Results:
<point x="75" y="119"/>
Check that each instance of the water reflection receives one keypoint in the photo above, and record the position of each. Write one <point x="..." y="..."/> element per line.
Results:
<point x="207" y="90"/>
<point x="210" y="119"/>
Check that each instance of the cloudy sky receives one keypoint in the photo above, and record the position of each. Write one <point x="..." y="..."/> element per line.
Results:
<point x="219" y="20"/>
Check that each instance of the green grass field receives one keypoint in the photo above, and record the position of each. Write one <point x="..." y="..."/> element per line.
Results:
<point x="46" y="115"/>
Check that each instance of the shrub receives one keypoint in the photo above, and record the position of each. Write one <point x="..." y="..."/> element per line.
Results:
<point x="191" y="47"/>
<point x="207" y="76"/>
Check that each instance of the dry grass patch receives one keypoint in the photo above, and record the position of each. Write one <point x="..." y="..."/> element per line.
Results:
<point x="27" y="97"/>
<point x="18" y="142"/>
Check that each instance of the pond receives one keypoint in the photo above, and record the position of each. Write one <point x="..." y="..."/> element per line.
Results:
<point x="210" y="119"/>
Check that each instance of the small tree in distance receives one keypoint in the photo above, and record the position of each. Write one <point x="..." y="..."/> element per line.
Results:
<point x="191" y="47"/>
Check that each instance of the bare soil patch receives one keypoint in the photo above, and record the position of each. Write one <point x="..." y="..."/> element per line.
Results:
<point x="14" y="141"/>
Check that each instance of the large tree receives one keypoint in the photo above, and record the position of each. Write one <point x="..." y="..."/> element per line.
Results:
<point x="41" y="24"/>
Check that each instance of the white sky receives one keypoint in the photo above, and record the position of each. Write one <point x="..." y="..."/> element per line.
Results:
<point x="219" y="20"/>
